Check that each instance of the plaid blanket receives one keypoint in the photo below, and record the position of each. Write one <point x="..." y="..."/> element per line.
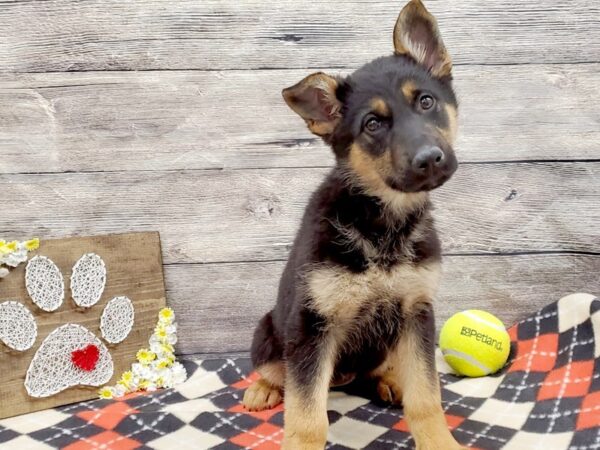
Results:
<point x="548" y="397"/>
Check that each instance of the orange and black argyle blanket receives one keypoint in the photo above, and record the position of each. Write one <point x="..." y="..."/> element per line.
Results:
<point x="547" y="398"/>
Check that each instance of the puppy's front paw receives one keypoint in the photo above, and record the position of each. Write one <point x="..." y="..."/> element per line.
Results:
<point x="261" y="395"/>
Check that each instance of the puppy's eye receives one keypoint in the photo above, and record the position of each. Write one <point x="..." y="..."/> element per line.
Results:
<point x="373" y="124"/>
<point x="426" y="102"/>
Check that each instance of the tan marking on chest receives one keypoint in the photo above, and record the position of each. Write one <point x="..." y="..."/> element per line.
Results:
<point x="339" y="294"/>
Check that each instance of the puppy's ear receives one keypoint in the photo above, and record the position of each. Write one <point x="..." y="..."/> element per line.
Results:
<point x="416" y="34"/>
<point x="314" y="99"/>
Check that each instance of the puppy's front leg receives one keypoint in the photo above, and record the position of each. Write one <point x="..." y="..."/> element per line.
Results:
<point x="419" y="382"/>
<point x="310" y="367"/>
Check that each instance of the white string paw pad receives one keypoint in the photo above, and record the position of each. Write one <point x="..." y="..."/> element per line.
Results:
<point x="70" y="356"/>
<point x="117" y="320"/>
<point x="18" y="329"/>
<point x="88" y="280"/>
<point x="44" y="283"/>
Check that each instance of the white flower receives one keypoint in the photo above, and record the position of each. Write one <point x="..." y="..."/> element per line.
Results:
<point x="179" y="373"/>
<point x="141" y="371"/>
<point x="15" y="258"/>
<point x="155" y="375"/>
<point x="162" y="349"/>
<point x="14" y="253"/>
<point x="167" y="378"/>
<point x="155" y="346"/>
<point x="134" y="384"/>
<point x="106" y="393"/>
<point x="119" y="391"/>
<point x="136" y="368"/>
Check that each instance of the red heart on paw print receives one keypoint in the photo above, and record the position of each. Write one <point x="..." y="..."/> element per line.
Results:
<point x="86" y="358"/>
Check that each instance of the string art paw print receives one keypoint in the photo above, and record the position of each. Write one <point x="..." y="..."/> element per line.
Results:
<point x="71" y="355"/>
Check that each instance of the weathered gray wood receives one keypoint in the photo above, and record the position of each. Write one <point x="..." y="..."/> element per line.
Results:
<point x="70" y="35"/>
<point x="241" y="215"/>
<point x="236" y="119"/>
<point x="221" y="316"/>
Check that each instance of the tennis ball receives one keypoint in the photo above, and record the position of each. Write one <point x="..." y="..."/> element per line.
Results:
<point x="475" y="343"/>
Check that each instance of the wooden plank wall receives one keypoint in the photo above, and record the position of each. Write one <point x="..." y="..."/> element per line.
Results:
<point x="151" y="115"/>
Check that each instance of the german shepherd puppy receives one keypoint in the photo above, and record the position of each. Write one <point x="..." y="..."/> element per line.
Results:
<point x="355" y="298"/>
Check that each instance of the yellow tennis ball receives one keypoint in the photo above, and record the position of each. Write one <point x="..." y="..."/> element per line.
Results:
<point x="474" y="343"/>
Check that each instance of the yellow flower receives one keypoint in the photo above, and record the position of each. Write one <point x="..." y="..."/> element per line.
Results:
<point x="105" y="393"/>
<point x="166" y="315"/>
<point x="145" y="356"/>
<point x="144" y="384"/>
<point x="4" y="250"/>
<point x="164" y="363"/>
<point x="167" y="348"/>
<point x="32" y="244"/>
<point x="161" y="332"/>
<point x="12" y="246"/>
<point x="126" y="378"/>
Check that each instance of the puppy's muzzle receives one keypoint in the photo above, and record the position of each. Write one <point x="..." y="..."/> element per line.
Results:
<point x="429" y="168"/>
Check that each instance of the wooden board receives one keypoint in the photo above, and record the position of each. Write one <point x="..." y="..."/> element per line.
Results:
<point x="252" y="215"/>
<point x="69" y="35"/>
<point x="237" y="119"/>
<point x="219" y="313"/>
<point x="134" y="269"/>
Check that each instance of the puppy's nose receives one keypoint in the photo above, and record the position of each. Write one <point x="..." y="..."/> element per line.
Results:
<point x="427" y="158"/>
